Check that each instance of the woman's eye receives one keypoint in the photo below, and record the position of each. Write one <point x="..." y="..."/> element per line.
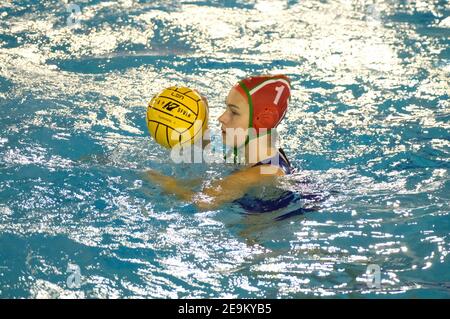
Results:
<point x="232" y="111"/>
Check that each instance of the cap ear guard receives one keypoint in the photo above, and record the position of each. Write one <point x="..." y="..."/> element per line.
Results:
<point x="266" y="118"/>
<point x="270" y="99"/>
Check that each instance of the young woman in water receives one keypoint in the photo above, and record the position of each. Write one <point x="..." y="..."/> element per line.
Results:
<point x="254" y="107"/>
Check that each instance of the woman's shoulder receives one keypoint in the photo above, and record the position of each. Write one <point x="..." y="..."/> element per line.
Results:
<point x="278" y="164"/>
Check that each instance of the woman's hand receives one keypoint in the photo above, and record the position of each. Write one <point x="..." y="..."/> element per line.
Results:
<point x="169" y="184"/>
<point x="156" y="176"/>
<point x="203" y="98"/>
<point x="160" y="179"/>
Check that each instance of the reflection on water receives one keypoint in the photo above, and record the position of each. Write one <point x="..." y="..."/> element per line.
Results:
<point x="367" y="127"/>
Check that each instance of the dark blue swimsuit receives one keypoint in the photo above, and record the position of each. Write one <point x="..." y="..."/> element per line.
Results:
<point x="256" y="205"/>
<point x="253" y="205"/>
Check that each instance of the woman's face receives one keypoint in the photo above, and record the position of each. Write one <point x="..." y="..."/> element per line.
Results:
<point x="234" y="121"/>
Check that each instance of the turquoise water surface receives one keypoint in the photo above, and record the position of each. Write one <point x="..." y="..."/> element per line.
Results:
<point x="367" y="129"/>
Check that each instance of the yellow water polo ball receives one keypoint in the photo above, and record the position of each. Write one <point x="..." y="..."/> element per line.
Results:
<point x="177" y="115"/>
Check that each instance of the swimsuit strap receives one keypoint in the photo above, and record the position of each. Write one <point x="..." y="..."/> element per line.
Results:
<point x="282" y="162"/>
<point x="284" y="157"/>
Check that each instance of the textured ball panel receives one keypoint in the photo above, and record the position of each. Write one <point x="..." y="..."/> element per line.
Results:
<point x="176" y="109"/>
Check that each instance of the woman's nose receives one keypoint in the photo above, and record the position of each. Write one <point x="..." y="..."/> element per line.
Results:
<point x="222" y="118"/>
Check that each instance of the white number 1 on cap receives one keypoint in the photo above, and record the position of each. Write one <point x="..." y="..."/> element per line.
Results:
<point x="279" y="90"/>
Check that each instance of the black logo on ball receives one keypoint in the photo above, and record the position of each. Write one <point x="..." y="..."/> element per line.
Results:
<point x="171" y="106"/>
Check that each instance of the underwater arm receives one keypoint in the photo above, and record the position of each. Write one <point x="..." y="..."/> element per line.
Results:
<point x="233" y="187"/>
<point x="219" y="192"/>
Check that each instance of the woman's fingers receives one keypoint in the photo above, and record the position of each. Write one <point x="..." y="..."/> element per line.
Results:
<point x="203" y="98"/>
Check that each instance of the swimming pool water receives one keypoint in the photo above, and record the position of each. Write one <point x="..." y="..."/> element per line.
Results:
<point x="368" y="126"/>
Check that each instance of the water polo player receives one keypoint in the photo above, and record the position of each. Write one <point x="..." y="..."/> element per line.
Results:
<point x="254" y="108"/>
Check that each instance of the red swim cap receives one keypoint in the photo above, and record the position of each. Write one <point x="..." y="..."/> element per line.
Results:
<point x="267" y="97"/>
